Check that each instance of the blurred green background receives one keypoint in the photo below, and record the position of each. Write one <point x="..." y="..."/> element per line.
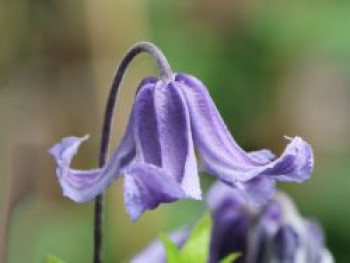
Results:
<point x="274" y="68"/>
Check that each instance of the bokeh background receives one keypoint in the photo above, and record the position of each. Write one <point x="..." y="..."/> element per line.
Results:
<point x="274" y="68"/>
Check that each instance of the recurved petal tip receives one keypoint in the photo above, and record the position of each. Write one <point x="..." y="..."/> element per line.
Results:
<point x="295" y="164"/>
<point x="78" y="185"/>
<point x="64" y="151"/>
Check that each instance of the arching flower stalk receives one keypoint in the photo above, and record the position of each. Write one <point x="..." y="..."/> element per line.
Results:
<point x="172" y="116"/>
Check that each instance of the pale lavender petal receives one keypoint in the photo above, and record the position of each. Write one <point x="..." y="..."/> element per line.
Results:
<point x="85" y="185"/>
<point x="146" y="186"/>
<point x="174" y="132"/>
<point x="145" y="127"/>
<point x="155" y="252"/>
<point x="223" y="157"/>
<point x="263" y="156"/>
<point x="221" y="194"/>
<point x="315" y="231"/>
<point x="262" y="230"/>
<point x="66" y="149"/>
<point x="219" y="152"/>
<point x="326" y="257"/>
<point x="164" y="168"/>
<point x="316" y="250"/>
<point x="258" y="191"/>
<point x="295" y="164"/>
<point x="230" y="222"/>
<point x="285" y="245"/>
<point x="75" y="184"/>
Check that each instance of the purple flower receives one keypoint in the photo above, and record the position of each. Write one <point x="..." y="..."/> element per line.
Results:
<point x="169" y="120"/>
<point x="273" y="233"/>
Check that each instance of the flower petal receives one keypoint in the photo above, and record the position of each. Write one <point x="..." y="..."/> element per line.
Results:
<point x="262" y="230"/>
<point x="221" y="195"/>
<point x="295" y="164"/>
<point x="164" y="168"/>
<point x="263" y="156"/>
<point x="75" y="184"/>
<point x="174" y="131"/>
<point x="285" y="245"/>
<point x="145" y="127"/>
<point x="146" y="186"/>
<point x="258" y="191"/>
<point x="223" y="157"/>
<point x="220" y="153"/>
<point x="85" y="185"/>
<point x="230" y="222"/>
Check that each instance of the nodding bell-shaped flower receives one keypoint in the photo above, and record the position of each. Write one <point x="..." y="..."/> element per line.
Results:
<point x="169" y="120"/>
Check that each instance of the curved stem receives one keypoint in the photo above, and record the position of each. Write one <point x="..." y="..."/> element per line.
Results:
<point x="166" y="74"/>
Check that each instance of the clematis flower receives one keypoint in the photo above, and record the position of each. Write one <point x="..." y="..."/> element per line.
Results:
<point x="170" y="119"/>
<point x="273" y="233"/>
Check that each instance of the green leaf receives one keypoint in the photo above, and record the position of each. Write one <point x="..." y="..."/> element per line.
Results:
<point x="53" y="259"/>
<point x="196" y="249"/>
<point x="171" y="250"/>
<point x="230" y="258"/>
